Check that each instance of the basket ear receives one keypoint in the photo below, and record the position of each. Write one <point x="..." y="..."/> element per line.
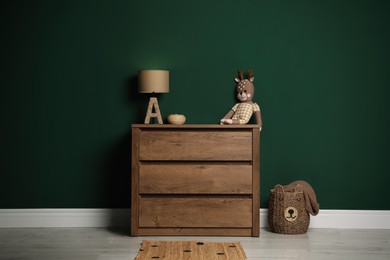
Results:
<point x="298" y="188"/>
<point x="279" y="190"/>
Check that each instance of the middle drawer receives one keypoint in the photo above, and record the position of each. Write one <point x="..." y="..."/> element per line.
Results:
<point x="195" y="178"/>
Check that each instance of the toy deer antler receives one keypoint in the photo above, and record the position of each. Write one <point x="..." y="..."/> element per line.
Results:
<point x="240" y="74"/>
<point x="250" y="74"/>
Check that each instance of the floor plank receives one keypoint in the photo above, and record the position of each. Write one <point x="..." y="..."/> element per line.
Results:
<point x="108" y="244"/>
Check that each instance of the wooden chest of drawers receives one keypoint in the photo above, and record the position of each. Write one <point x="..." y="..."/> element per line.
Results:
<point x="195" y="180"/>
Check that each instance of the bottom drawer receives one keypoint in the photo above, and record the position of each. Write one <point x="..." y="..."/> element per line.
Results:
<point x="195" y="212"/>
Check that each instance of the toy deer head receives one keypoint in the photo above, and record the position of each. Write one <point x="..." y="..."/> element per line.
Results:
<point x="245" y="88"/>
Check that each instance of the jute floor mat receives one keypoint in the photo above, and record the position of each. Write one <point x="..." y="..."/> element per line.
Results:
<point x="177" y="250"/>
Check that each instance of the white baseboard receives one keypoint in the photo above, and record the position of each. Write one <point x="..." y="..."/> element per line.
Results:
<point x="37" y="218"/>
<point x="362" y="219"/>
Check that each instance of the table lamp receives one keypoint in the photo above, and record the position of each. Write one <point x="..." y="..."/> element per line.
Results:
<point x="153" y="81"/>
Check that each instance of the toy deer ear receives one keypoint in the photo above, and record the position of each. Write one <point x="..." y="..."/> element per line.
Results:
<point x="237" y="80"/>
<point x="252" y="79"/>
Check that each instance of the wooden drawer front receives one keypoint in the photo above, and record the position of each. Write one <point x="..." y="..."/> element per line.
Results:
<point x="196" y="145"/>
<point x="195" y="212"/>
<point x="195" y="178"/>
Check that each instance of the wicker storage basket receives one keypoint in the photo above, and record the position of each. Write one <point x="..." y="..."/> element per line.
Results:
<point x="286" y="212"/>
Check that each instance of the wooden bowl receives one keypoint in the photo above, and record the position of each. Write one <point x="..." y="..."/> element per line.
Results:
<point x="176" y="119"/>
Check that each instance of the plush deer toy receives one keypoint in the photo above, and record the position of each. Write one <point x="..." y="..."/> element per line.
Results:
<point x="242" y="112"/>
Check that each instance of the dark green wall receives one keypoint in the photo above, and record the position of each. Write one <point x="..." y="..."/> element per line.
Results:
<point x="68" y="92"/>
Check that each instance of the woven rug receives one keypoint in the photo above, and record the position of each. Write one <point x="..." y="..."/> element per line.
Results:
<point x="176" y="250"/>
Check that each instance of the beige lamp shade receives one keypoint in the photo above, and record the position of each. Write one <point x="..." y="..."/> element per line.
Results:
<point x="153" y="81"/>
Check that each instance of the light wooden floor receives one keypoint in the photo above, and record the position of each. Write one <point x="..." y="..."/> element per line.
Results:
<point x="101" y="243"/>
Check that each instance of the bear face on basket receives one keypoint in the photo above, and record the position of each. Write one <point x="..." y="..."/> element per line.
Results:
<point x="287" y="213"/>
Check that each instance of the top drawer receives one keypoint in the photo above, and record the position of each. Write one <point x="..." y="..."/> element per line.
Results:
<point x="228" y="145"/>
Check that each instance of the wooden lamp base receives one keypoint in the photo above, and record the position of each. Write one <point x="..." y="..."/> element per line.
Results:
<point x="153" y="103"/>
